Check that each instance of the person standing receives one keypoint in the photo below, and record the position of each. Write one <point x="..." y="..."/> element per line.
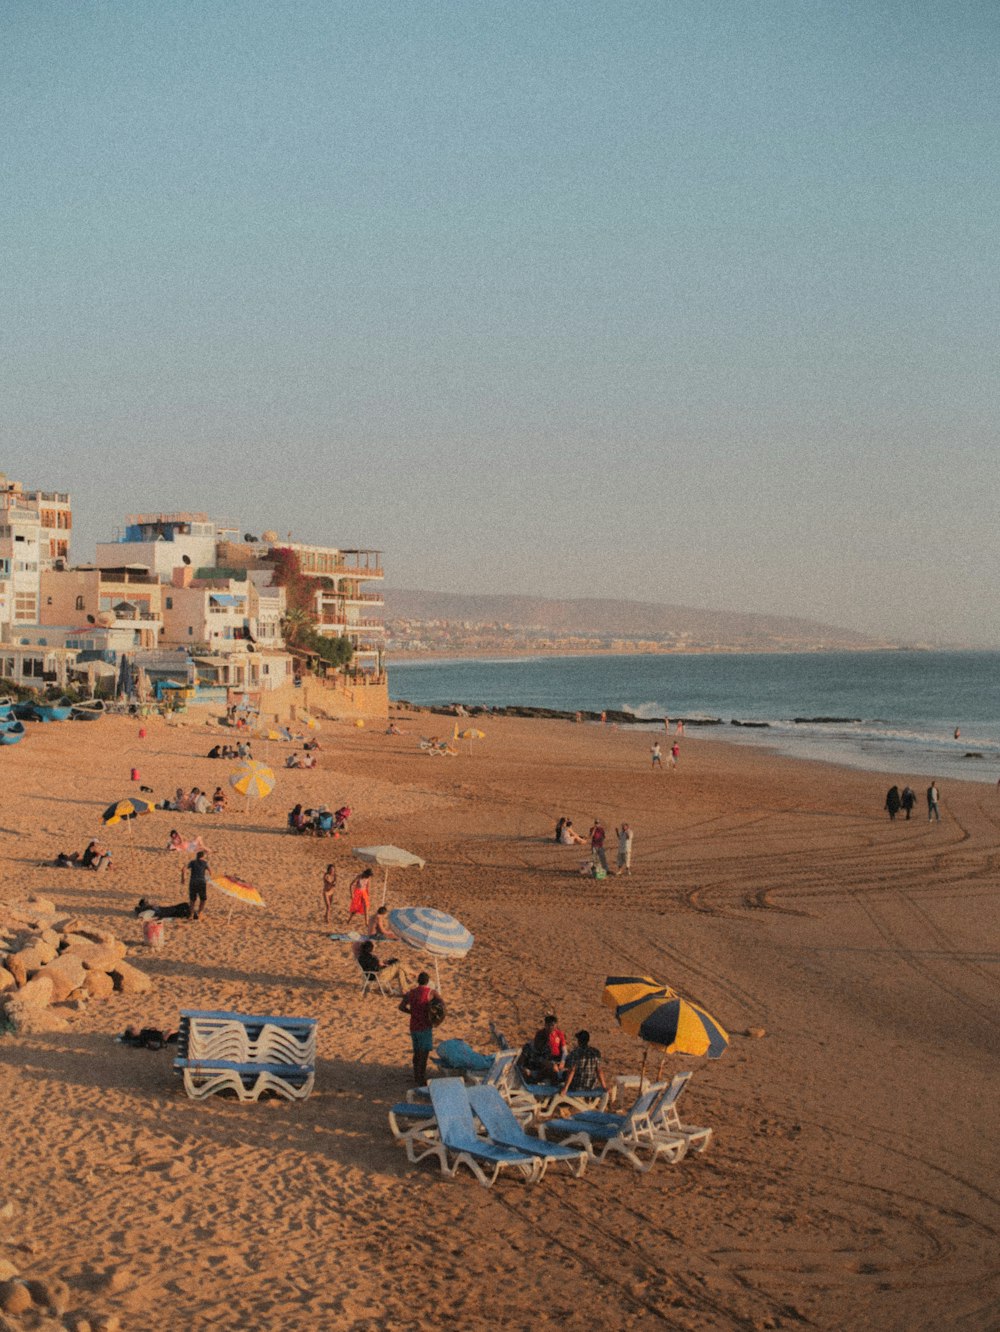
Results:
<point x="417" y="1002"/>
<point x="329" y="888"/>
<point x="624" y="834"/>
<point x="657" y="757"/>
<point x="933" y="812"/>
<point x="675" y="753"/>
<point x="907" y="800"/>
<point x="197" y="871"/>
<point x="597" y="852"/>
<point x="361" y="904"/>
<point x="892" y="802"/>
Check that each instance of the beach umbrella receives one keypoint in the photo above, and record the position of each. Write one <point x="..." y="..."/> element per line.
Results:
<point x="237" y="889"/>
<point x="431" y="931"/>
<point x="470" y="733"/>
<point x="253" y="780"/>
<point x="310" y="723"/>
<point x="389" y="857"/>
<point x="660" y="1017"/>
<point x="124" y="811"/>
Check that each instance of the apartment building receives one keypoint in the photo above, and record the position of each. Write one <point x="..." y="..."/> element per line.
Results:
<point x="35" y="527"/>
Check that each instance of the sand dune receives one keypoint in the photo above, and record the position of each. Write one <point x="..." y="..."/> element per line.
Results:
<point x="852" y="1179"/>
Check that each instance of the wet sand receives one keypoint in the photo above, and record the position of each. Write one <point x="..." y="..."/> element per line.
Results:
<point x="851" y="1181"/>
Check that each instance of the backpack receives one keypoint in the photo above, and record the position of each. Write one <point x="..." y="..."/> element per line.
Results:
<point x="435" y="1010"/>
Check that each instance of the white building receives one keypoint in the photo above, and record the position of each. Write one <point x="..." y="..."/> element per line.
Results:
<point x="35" y="528"/>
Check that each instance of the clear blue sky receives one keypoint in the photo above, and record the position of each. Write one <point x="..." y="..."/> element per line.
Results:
<point x="689" y="302"/>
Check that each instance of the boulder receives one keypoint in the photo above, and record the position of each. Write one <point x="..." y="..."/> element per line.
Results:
<point x="33" y="1021"/>
<point x="15" y="1297"/>
<point x="66" y="974"/>
<point x="7" y="1270"/>
<point x="36" y="994"/>
<point x="98" y="984"/>
<point x="130" y="980"/>
<point x="51" y="1293"/>
<point x="69" y="924"/>
<point x="97" y="956"/>
<point x="7" y="981"/>
<point x="26" y="961"/>
<point x="97" y="936"/>
<point x="50" y="937"/>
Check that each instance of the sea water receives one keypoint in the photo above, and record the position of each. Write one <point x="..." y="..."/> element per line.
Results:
<point x="893" y="712"/>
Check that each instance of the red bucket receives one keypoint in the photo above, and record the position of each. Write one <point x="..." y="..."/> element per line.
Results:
<point x="135" y="774"/>
<point x="152" y="932"/>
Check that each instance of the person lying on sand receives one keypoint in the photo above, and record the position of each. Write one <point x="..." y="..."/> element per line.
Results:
<point x="146" y="910"/>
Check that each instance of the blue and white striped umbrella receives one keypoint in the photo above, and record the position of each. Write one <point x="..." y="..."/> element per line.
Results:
<point x="431" y="931"/>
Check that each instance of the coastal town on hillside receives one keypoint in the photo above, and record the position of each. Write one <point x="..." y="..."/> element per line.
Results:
<point x="181" y="606"/>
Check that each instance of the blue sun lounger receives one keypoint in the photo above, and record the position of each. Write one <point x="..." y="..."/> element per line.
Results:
<point x="500" y="1123"/>
<point x="455" y="1142"/>
<point x="634" y="1135"/>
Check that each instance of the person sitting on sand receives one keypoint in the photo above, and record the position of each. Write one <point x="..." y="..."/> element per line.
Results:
<point x="393" y="729"/>
<point x="215" y="752"/>
<point x="200" y="803"/>
<point x="390" y="970"/>
<point x="584" y="1066"/>
<point x="310" y="745"/>
<point x="569" y="835"/>
<point x="296" y="819"/>
<point x="378" y="924"/>
<point x="559" y="827"/>
<point x="219" y="801"/>
<point x="340" y="817"/>
<point x="361" y="905"/>
<point x="95" y="857"/>
<point x="293" y="760"/>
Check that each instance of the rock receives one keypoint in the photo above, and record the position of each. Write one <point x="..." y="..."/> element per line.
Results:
<point x="756" y="1033"/>
<point x="95" y="935"/>
<point x="26" y="961"/>
<point x="79" y="1325"/>
<point x="97" y="956"/>
<point x="7" y="1212"/>
<point x="68" y="924"/>
<point x="15" y="1297"/>
<point x="72" y="938"/>
<point x="7" y="1270"/>
<point x="7" y="981"/>
<point x="36" y="994"/>
<point x="51" y="1293"/>
<point x="98" y="984"/>
<point x="109" y="1323"/>
<point x="38" y="903"/>
<point x="66" y="974"/>
<point x="130" y="980"/>
<point x="34" y="1021"/>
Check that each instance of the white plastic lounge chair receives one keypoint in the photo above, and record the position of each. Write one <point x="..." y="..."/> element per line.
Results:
<point x="544" y="1099"/>
<point x="632" y="1135"/>
<point x="246" y="1054"/>
<point x="371" y="979"/>
<point x="500" y="1122"/>
<point x="665" y="1117"/>
<point x="498" y="1076"/>
<point x="409" y="1117"/>
<point x="456" y="1143"/>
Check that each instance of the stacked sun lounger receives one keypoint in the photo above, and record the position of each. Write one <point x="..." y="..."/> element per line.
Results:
<point x="245" y="1054"/>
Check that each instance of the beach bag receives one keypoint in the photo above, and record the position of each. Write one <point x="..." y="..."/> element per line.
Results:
<point x="600" y="873"/>
<point x="435" y="1010"/>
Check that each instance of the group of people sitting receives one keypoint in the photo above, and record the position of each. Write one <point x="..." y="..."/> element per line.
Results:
<point x="320" y="822"/>
<point x="227" y="751"/>
<point x="95" y="857"/>
<point x="547" y="1059"/>
<point x="197" y="801"/>
<point x="297" y="760"/>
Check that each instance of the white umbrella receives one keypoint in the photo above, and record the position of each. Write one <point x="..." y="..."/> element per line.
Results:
<point x="431" y="931"/>
<point x="389" y="857"/>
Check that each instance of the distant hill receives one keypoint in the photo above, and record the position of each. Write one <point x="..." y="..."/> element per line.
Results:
<point x="455" y="616"/>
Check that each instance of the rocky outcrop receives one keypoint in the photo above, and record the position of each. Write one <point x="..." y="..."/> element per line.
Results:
<point x="52" y="962"/>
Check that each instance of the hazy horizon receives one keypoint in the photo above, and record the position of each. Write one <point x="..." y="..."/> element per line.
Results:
<point x="668" y="302"/>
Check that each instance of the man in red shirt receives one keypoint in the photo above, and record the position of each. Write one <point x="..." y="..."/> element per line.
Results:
<point x="417" y="1002"/>
<point x="597" y="854"/>
<point x="554" y="1041"/>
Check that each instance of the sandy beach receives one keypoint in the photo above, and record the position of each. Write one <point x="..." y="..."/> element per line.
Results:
<point x="851" y="1181"/>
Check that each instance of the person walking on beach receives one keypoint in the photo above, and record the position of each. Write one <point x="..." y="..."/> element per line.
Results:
<point x="892" y="802"/>
<point x="933" y="812"/>
<point x="197" y="871"/>
<point x="597" y="852"/>
<point x="417" y="1003"/>
<point x="675" y="753"/>
<point x="656" y="755"/>
<point x="908" y="800"/>
<point x="624" y="835"/>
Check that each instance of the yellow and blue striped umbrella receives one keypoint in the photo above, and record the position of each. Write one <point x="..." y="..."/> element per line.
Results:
<point x="253" y="779"/>
<point x="673" y="1024"/>
<point x="619" y="990"/>
<point x="129" y="808"/>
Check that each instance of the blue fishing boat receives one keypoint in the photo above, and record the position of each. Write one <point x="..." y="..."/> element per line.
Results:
<point x="50" y="712"/>
<point x="11" y="732"/>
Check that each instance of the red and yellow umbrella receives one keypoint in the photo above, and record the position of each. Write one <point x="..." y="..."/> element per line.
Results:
<point x="238" y="889"/>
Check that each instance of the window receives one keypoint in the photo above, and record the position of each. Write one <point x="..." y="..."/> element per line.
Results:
<point x="190" y="631"/>
<point x="170" y="603"/>
<point x="79" y="603"/>
<point x="25" y="606"/>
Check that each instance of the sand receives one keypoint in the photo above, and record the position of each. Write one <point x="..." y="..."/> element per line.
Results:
<point x="851" y="1182"/>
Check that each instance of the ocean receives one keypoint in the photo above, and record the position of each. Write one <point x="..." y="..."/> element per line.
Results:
<point x="893" y="712"/>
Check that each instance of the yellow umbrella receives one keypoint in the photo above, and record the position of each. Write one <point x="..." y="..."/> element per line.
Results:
<point x="659" y="1016"/>
<point x="252" y="779"/>
<point x="620" y="990"/>
<point x="470" y="733"/>
<point x="238" y="889"/>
